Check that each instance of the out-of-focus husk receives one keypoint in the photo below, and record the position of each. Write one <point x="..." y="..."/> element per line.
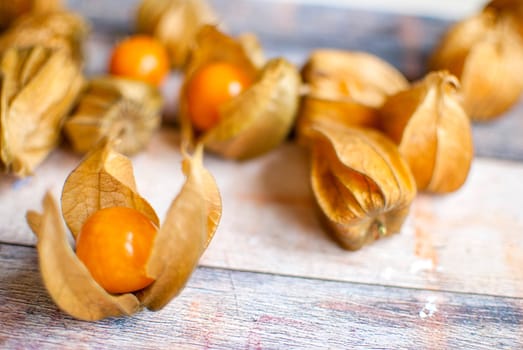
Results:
<point x="105" y="179"/>
<point x="258" y="119"/>
<point x="512" y="10"/>
<point x="346" y="87"/>
<point x="361" y="183"/>
<point x="486" y="54"/>
<point x="432" y="131"/>
<point x="38" y="87"/>
<point x="58" y="29"/>
<point x="10" y="10"/>
<point x="115" y="107"/>
<point x="175" y="23"/>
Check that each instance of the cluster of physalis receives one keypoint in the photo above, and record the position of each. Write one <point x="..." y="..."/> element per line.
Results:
<point x="374" y="138"/>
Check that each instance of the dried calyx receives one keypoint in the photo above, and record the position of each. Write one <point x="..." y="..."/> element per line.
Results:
<point x="11" y="10"/>
<point x="58" y="30"/>
<point x="175" y="23"/>
<point x="258" y="119"/>
<point x="38" y="87"/>
<point x="105" y="179"/>
<point x="432" y="131"/>
<point x="346" y="87"/>
<point x="486" y="53"/>
<point x="111" y="107"/>
<point x="361" y="183"/>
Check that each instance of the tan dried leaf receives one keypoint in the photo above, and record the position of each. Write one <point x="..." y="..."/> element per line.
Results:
<point x="58" y="30"/>
<point x="362" y="185"/>
<point x="38" y="87"/>
<point x="346" y="87"/>
<point x="103" y="179"/>
<point x="115" y="107"/>
<point x="486" y="54"/>
<point x="432" y="131"/>
<point x="67" y="280"/>
<point x="188" y="228"/>
<point x="175" y="23"/>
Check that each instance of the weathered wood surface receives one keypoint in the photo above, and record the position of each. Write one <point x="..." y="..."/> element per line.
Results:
<point x="469" y="241"/>
<point x="271" y="278"/>
<point x="224" y="309"/>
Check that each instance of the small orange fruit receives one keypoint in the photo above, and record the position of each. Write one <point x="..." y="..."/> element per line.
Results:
<point x="114" y="244"/>
<point x="211" y="86"/>
<point x="140" y="57"/>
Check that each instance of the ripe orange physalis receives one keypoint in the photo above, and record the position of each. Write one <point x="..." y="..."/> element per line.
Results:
<point x="140" y="57"/>
<point x="210" y="86"/>
<point x="114" y="244"/>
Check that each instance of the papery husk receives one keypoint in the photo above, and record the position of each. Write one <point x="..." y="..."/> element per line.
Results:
<point x="188" y="228"/>
<point x="57" y="29"/>
<point x="258" y="119"/>
<point x="66" y="278"/>
<point x="486" y="54"/>
<point x="10" y="10"/>
<point x="115" y="107"/>
<point x="38" y="87"/>
<point x="346" y="87"/>
<point x="432" y="131"/>
<point x="175" y="23"/>
<point x="361" y="183"/>
<point x="103" y="179"/>
<point x="511" y="10"/>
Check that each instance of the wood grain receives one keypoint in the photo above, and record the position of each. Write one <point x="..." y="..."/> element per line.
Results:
<point x="269" y="222"/>
<point x="224" y="309"/>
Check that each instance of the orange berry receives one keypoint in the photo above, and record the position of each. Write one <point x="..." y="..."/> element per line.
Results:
<point x="140" y="57"/>
<point x="210" y="87"/>
<point x="114" y="244"/>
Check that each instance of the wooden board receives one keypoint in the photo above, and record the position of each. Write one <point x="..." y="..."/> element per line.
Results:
<point x="224" y="309"/>
<point x="272" y="278"/>
<point x="269" y="222"/>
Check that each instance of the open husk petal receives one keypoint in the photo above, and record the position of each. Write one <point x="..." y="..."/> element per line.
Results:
<point x="486" y="54"/>
<point x="175" y="23"/>
<point x="432" y="131"/>
<point x="39" y="86"/>
<point x="346" y="87"/>
<point x="259" y="119"/>
<point x="189" y="225"/>
<point x="66" y="278"/>
<point x="115" y="107"/>
<point x="103" y="179"/>
<point x="361" y="183"/>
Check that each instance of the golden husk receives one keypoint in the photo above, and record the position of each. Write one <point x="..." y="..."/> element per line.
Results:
<point x="361" y="183"/>
<point x="58" y="30"/>
<point x="346" y="87"/>
<point x="105" y="179"/>
<point x="258" y="119"/>
<point x="10" y="10"/>
<point x="432" y="131"/>
<point x="486" y="54"/>
<point x="175" y="23"/>
<point x="38" y="87"/>
<point x="110" y="107"/>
